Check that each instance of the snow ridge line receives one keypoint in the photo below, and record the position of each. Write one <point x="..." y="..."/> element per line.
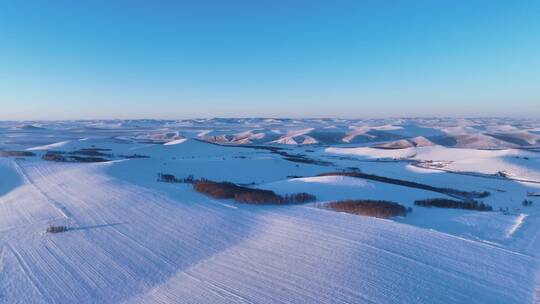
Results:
<point x="519" y="222"/>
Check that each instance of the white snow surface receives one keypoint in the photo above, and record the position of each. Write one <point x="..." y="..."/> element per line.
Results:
<point x="516" y="163"/>
<point x="133" y="244"/>
<point x="50" y="146"/>
<point x="132" y="239"/>
<point x="175" y="142"/>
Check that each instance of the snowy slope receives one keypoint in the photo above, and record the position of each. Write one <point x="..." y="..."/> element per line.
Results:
<point x="146" y="247"/>
<point x="136" y="240"/>
<point x="514" y="163"/>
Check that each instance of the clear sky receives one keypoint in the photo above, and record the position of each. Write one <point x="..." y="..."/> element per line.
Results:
<point x="276" y="58"/>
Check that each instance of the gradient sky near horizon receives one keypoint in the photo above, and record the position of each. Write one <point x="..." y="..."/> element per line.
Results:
<point x="304" y="58"/>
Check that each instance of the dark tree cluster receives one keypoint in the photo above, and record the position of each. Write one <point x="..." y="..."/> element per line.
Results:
<point x="170" y="178"/>
<point x="56" y="229"/>
<point x="300" y="198"/>
<point x="258" y="196"/>
<point x="167" y="178"/>
<point x="59" y="156"/>
<point x="374" y="208"/>
<point x="454" y="204"/>
<point x="54" y="156"/>
<point x="227" y="190"/>
<point x="527" y="203"/>
<point x="92" y="152"/>
<point x="83" y="159"/>
<point x="16" y="153"/>
<point x="133" y="156"/>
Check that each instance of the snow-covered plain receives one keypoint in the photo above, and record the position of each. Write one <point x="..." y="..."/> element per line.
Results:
<point x="133" y="239"/>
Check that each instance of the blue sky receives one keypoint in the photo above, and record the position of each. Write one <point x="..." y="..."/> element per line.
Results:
<point x="184" y="59"/>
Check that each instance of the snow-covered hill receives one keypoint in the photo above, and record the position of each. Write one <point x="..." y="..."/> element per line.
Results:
<point x="133" y="239"/>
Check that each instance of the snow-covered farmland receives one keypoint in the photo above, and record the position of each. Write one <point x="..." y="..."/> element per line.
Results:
<point x="133" y="239"/>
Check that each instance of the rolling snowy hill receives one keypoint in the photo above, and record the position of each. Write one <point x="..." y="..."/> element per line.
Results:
<point x="134" y="239"/>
